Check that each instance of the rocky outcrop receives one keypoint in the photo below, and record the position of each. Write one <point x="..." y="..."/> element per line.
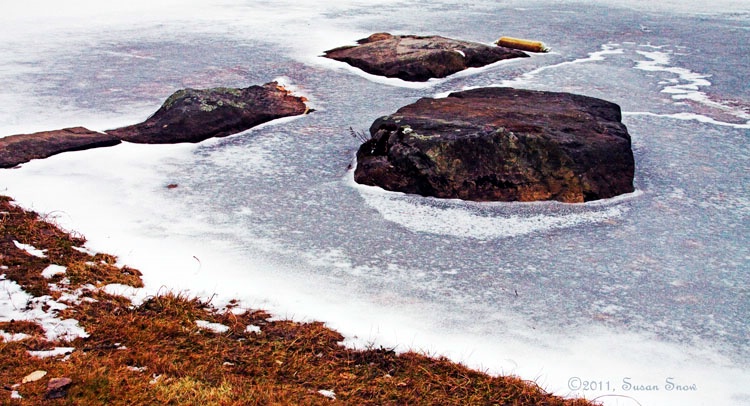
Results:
<point x="189" y="115"/>
<point x="418" y="59"/>
<point x="193" y="115"/>
<point x="17" y="149"/>
<point x="501" y="144"/>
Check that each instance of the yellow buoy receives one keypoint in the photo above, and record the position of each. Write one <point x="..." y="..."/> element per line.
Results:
<point x="522" y="44"/>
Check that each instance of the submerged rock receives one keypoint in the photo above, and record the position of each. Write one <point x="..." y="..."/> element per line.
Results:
<point x="17" y="149"/>
<point x="501" y="144"/>
<point x="416" y="58"/>
<point x="194" y="115"/>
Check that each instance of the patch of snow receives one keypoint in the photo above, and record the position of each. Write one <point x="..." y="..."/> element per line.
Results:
<point x="52" y="353"/>
<point x="136" y="295"/>
<point x="136" y="369"/>
<point x="30" y="249"/>
<point x="84" y="250"/>
<point x="16" y="304"/>
<point x="215" y="327"/>
<point x="252" y="329"/>
<point x="53" y="270"/>
<point x="327" y="393"/>
<point x="10" y="337"/>
<point x="237" y="310"/>
<point x="15" y="395"/>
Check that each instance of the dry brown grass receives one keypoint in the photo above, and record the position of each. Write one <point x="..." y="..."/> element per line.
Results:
<point x="155" y="353"/>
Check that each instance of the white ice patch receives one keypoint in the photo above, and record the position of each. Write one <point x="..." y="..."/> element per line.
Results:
<point x="253" y="329"/>
<point x="16" y="304"/>
<point x="52" y="353"/>
<point x="215" y="327"/>
<point x="30" y="249"/>
<point x="53" y="270"/>
<point x="84" y="250"/>
<point x="10" y="337"/>
<point x="686" y="85"/>
<point x="458" y="219"/>
<point x="328" y="393"/>
<point x="688" y="117"/>
<point x="135" y="295"/>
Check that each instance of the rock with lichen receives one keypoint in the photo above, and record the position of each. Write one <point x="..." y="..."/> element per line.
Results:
<point x="501" y="144"/>
<point x="193" y="115"/>
<point x="418" y="58"/>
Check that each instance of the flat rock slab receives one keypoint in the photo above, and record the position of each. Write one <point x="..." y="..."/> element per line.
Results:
<point x="501" y="144"/>
<point x="417" y="59"/>
<point x="21" y="148"/>
<point x="194" y="115"/>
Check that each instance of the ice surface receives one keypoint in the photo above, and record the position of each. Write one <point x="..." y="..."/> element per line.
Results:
<point x="650" y="286"/>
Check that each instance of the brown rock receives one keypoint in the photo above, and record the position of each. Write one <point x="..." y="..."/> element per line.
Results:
<point x="501" y="144"/>
<point x="57" y="388"/>
<point x="416" y="58"/>
<point x="17" y="149"/>
<point x="193" y="115"/>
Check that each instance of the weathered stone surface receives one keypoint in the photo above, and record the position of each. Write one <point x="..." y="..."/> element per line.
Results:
<point x="193" y="115"/>
<point x="57" y="388"/>
<point x="17" y="149"/>
<point x="416" y="58"/>
<point x="501" y="144"/>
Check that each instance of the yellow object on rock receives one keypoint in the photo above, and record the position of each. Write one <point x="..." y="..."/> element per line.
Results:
<point x="522" y="44"/>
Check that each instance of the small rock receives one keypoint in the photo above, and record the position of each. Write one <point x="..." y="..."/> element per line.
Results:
<point x="57" y="388"/>
<point x="418" y="58"/>
<point x="34" y="376"/>
<point x="194" y="115"/>
<point x="21" y="148"/>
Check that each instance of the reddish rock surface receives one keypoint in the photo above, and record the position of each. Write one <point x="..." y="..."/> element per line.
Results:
<point x="194" y="115"/>
<point x="17" y="149"/>
<point x="416" y="58"/>
<point x="501" y="144"/>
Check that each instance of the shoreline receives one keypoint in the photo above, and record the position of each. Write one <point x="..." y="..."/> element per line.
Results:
<point x="174" y="348"/>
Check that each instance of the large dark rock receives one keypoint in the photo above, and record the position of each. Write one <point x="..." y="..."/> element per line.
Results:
<point x="418" y="59"/>
<point x="17" y="149"/>
<point x="193" y="115"/>
<point x="501" y="144"/>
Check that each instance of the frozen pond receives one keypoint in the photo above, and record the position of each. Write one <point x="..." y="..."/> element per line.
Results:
<point x="648" y="288"/>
